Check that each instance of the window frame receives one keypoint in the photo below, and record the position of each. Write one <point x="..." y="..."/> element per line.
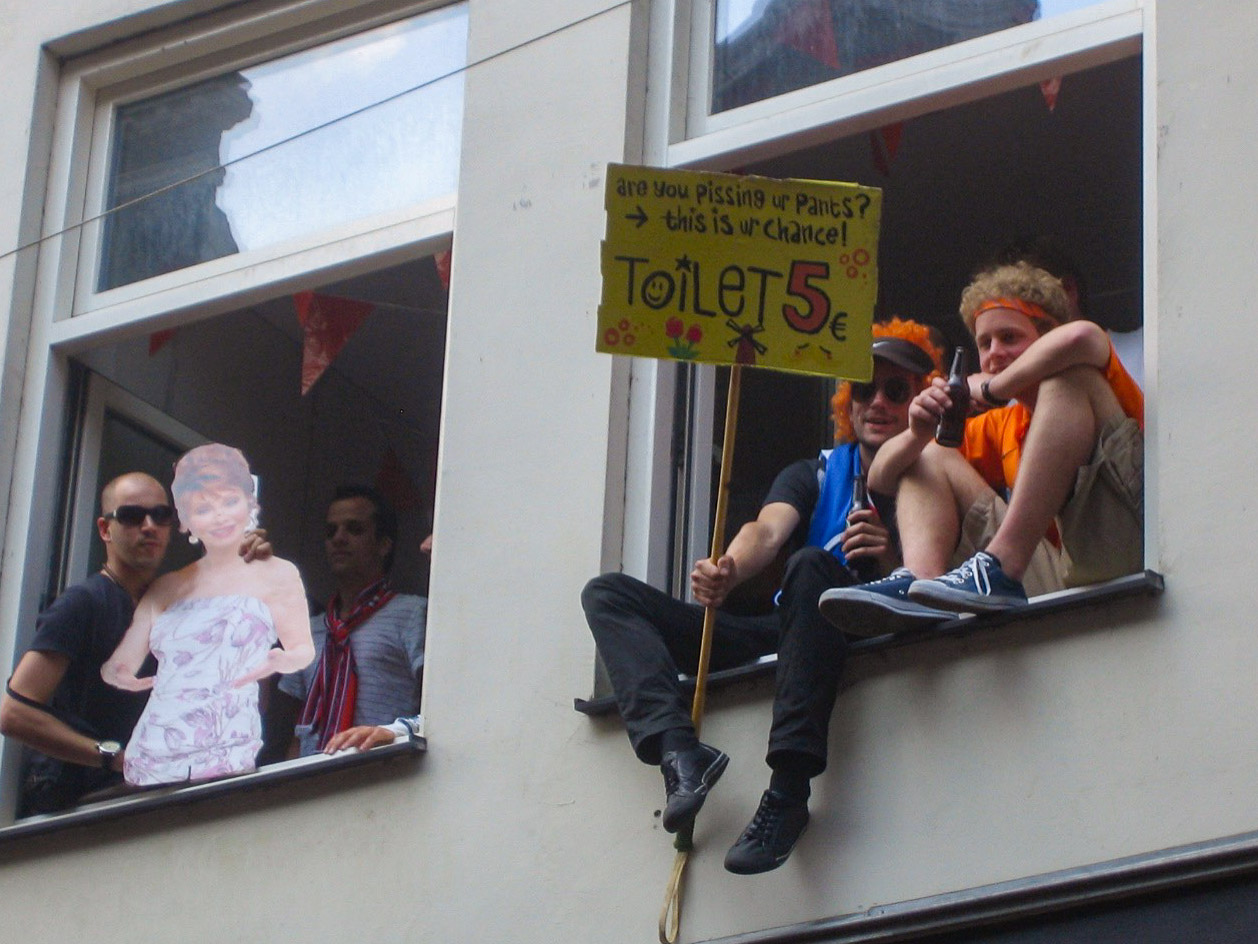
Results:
<point x="92" y="86"/>
<point x="923" y="82"/>
<point x="679" y="133"/>
<point x="58" y="330"/>
<point x="179" y="795"/>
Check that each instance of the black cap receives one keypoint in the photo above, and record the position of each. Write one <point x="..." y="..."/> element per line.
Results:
<point x="904" y="354"/>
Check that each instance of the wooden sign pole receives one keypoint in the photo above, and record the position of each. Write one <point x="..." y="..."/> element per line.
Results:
<point x="670" y="914"/>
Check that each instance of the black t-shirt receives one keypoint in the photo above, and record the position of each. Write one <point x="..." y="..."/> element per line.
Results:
<point x="799" y="485"/>
<point x="85" y="624"/>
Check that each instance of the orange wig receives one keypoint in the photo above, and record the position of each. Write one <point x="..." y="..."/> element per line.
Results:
<point x="909" y="331"/>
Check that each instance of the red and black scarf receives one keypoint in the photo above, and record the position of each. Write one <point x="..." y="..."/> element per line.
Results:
<point x="329" y="707"/>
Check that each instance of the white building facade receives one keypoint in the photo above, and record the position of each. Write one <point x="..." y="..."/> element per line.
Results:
<point x="973" y="779"/>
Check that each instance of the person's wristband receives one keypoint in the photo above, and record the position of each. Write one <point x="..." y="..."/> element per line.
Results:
<point x="989" y="397"/>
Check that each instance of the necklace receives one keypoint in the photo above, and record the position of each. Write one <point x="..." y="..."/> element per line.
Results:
<point x="108" y="572"/>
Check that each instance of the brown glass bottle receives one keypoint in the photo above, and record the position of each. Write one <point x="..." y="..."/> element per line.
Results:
<point x="864" y="569"/>
<point x="951" y="429"/>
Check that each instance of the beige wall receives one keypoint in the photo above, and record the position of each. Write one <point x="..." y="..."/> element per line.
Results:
<point x="954" y="764"/>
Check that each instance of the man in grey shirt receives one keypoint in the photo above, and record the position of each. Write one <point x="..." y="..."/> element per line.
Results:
<point x="370" y="642"/>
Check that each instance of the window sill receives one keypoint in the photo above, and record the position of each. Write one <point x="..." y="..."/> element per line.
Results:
<point x="176" y="796"/>
<point x="1147" y="583"/>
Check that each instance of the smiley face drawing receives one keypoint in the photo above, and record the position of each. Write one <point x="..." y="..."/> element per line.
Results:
<point x="657" y="290"/>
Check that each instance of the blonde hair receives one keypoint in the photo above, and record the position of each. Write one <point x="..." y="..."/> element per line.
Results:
<point x="901" y="328"/>
<point x="1022" y="282"/>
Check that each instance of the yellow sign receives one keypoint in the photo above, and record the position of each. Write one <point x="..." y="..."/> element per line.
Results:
<point x="725" y="269"/>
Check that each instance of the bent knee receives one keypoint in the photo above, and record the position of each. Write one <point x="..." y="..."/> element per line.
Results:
<point x="1087" y="381"/>
<point x="604" y="589"/>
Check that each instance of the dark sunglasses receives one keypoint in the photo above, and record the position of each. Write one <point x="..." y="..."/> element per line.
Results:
<point x="895" y="389"/>
<point x="132" y="516"/>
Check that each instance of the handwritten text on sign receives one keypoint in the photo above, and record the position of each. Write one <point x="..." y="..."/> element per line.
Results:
<point x="727" y="269"/>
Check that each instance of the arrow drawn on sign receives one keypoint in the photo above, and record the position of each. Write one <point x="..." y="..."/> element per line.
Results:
<point x="640" y="216"/>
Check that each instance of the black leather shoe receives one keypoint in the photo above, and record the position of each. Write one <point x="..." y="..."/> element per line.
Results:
<point x="688" y="776"/>
<point x="770" y="836"/>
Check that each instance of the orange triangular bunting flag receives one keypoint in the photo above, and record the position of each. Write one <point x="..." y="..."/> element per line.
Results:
<point x="884" y="144"/>
<point x="328" y="322"/>
<point x="443" y="260"/>
<point x="1050" y="88"/>
<point x="891" y="135"/>
<point x="159" y="339"/>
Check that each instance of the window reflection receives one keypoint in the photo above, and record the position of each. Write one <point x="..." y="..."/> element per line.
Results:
<point x="767" y="47"/>
<point x="338" y="132"/>
<point x="165" y="178"/>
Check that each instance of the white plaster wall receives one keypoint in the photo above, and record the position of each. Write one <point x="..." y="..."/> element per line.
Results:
<point x="954" y="764"/>
<point x="1098" y="736"/>
<point x="487" y="834"/>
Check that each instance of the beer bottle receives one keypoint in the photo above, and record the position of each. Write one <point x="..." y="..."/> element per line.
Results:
<point x="951" y="429"/>
<point x="864" y="569"/>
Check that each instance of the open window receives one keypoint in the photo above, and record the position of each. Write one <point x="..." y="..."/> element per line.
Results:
<point x="958" y="184"/>
<point x="372" y="417"/>
<point x="1035" y="130"/>
<point x="204" y="180"/>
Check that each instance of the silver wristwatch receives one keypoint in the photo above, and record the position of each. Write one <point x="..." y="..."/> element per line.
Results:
<point x="108" y="750"/>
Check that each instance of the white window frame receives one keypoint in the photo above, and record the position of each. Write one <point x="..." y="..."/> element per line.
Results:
<point x="151" y="63"/>
<point x="950" y="75"/>
<point x="92" y="86"/>
<point x="679" y="132"/>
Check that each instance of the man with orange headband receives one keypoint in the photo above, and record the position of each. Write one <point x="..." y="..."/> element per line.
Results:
<point x="645" y="636"/>
<point x="1061" y="433"/>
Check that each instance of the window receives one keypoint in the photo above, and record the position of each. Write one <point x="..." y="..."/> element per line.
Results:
<point x="309" y="148"/>
<point x="253" y="157"/>
<point x="1072" y="173"/>
<point x="265" y="138"/>
<point x="764" y="49"/>
<point x="1056" y="103"/>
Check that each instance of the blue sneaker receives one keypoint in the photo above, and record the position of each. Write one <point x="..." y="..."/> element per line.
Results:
<point x="977" y="586"/>
<point x="879" y="607"/>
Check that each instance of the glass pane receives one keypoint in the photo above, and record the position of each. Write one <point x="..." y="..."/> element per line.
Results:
<point x="766" y="47"/>
<point x="250" y="158"/>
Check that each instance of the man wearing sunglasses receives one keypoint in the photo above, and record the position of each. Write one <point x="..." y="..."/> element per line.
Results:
<point x="56" y="701"/>
<point x="1058" y="429"/>
<point x="645" y="637"/>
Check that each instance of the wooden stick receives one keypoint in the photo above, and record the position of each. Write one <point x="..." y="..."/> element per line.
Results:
<point x="670" y="914"/>
<point x="718" y="540"/>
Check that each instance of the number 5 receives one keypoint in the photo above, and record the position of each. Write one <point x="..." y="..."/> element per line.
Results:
<point x="798" y="284"/>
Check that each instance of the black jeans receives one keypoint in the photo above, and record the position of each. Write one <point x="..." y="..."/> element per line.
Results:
<point x="646" y="637"/>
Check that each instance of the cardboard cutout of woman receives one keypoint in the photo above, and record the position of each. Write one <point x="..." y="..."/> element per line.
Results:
<point x="212" y="626"/>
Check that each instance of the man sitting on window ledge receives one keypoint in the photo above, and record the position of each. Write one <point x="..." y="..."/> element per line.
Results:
<point x="645" y="636"/>
<point x="370" y="642"/>
<point x="56" y="701"/>
<point x="1070" y="450"/>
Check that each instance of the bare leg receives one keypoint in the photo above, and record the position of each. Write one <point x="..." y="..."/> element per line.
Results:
<point x="934" y="495"/>
<point x="1070" y="408"/>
